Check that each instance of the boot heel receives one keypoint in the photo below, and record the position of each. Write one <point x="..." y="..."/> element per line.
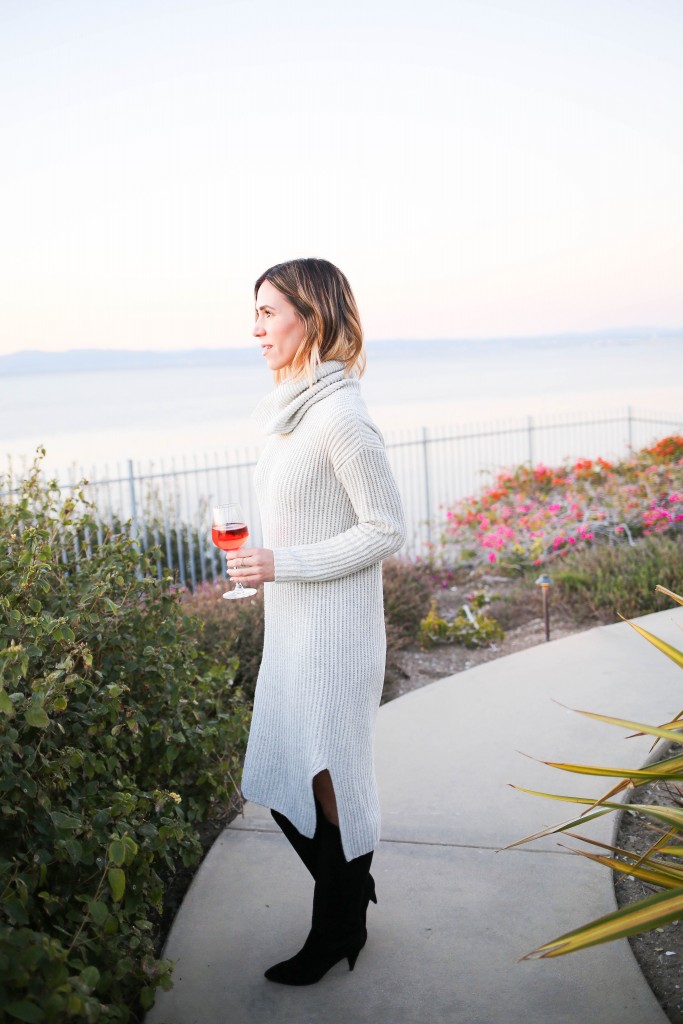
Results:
<point x="352" y="960"/>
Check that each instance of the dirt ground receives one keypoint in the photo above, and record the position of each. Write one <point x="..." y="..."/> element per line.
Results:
<point x="410" y="668"/>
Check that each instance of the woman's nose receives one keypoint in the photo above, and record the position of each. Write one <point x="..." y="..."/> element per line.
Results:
<point x="258" y="329"/>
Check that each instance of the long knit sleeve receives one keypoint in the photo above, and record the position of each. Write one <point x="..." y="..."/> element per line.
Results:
<point x="368" y="481"/>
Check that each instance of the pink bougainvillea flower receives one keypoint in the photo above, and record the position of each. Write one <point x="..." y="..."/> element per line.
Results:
<point x="529" y="514"/>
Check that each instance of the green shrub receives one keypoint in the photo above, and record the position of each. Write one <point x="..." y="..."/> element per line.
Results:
<point x="474" y="630"/>
<point x="232" y="629"/>
<point x="117" y="737"/>
<point x="603" y="582"/>
<point x="407" y="593"/>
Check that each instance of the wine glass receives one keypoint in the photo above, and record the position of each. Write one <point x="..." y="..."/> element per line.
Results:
<point x="229" y="532"/>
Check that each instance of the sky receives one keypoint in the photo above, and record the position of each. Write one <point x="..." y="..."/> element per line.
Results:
<point x="476" y="169"/>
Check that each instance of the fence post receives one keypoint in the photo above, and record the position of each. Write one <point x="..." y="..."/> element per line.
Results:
<point x="530" y="430"/>
<point x="629" y="417"/>
<point x="190" y="531"/>
<point x="425" y="460"/>
<point x="133" y="503"/>
<point x="134" y="512"/>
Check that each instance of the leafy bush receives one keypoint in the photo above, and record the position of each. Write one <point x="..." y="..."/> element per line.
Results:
<point x="605" y="582"/>
<point x="232" y="629"/>
<point x="117" y="737"/>
<point x="407" y="593"/>
<point x="471" y="627"/>
<point x="530" y="516"/>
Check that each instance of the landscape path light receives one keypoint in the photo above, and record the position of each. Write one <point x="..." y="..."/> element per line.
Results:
<point x="544" y="582"/>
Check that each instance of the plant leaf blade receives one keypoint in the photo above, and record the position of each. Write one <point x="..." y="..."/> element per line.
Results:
<point x="649" y="913"/>
<point x="661" y="645"/>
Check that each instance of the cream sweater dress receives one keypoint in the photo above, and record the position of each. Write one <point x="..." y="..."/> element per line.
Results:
<point x="330" y="510"/>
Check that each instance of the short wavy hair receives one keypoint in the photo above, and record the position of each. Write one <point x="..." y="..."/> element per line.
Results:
<point x="322" y="297"/>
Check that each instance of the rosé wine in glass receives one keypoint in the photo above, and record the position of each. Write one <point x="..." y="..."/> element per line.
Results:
<point x="229" y="532"/>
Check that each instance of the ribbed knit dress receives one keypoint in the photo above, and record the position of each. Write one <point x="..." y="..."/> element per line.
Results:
<point x="330" y="511"/>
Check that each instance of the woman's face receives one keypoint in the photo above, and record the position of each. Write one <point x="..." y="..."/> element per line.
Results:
<point x="278" y="326"/>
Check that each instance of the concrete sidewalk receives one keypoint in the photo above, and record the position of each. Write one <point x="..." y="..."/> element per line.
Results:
<point x="454" y="915"/>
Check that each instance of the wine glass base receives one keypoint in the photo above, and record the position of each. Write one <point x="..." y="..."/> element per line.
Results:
<point x="244" y="592"/>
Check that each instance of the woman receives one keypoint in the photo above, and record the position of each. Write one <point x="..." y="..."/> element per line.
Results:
<point x="330" y="513"/>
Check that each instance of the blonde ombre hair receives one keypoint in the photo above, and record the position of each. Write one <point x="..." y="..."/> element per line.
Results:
<point x="322" y="297"/>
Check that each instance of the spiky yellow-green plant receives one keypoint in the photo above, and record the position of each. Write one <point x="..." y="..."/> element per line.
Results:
<point x="662" y="864"/>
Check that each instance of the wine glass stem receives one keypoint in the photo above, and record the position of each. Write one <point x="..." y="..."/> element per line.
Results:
<point x="238" y="585"/>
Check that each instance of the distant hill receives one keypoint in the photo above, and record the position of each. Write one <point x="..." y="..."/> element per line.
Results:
<point x="89" y="360"/>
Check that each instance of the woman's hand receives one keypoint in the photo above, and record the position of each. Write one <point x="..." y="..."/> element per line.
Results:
<point x="251" y="566"/>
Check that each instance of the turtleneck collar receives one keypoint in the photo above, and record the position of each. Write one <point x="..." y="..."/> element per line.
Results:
<point x="281" y="410"/>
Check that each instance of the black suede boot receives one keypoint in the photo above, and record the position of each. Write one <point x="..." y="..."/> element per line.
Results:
<point x="308" y="849"/>
<point x="339" y="903"/>
<point x="305" y="847"/>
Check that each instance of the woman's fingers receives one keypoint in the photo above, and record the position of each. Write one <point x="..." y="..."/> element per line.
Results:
<point x="253" y="565"/>
<point x="241" y="555"/>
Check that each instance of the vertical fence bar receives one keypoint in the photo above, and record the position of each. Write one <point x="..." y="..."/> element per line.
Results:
<point x="93" y="494"/>
<point x="428" y="503"/>
<point x="133" y="502"/>
<point x="156" y="502"/>
<point x="110" y="513"/>
<point x="122" y="499"/>
<point x="177" y="505"/>
<point x="190" y="531"/>
<point x="199" y="511"/>
<point x="209" y="504"/>
<point x="167" y="526"/>
<point x="65" y="557"/>
<point x="144" y="517"/>
<point x="74" y="530"/>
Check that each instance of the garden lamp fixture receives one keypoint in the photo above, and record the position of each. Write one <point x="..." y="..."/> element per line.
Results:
<point x="544" y="582"/>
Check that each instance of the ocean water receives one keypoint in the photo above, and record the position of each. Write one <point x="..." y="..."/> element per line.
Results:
<point x="96" y="420"/>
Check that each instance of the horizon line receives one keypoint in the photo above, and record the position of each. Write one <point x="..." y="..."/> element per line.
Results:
<point x="223" y="347"/>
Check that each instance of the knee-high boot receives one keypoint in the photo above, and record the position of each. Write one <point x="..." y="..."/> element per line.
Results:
<point x="307" y="849"/>
<point x="337" y="927"/>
